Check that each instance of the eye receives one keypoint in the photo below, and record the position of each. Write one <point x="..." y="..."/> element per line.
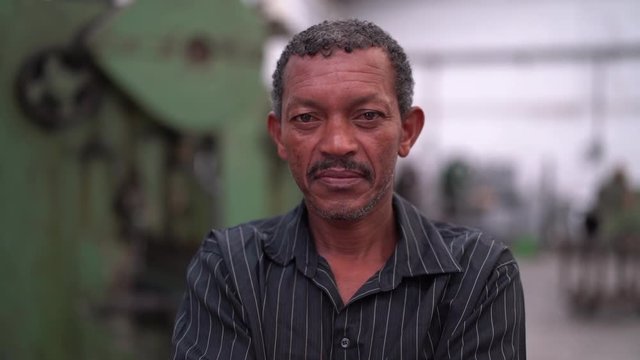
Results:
<point x="371" y="115"/>
<point x="303" y="118"/>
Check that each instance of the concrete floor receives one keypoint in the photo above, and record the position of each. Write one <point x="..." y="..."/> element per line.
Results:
<point x="554" y="334"/>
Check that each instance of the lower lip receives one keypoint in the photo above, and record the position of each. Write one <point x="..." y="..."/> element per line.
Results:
<point x="337" y="182"/>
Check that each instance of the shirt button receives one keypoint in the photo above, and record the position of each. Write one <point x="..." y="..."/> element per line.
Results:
<point x="345" y="343"/>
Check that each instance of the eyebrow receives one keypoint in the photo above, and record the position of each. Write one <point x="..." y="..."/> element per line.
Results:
<point x="298" y="101"/>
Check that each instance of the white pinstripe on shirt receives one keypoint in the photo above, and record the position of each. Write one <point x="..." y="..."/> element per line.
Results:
<point x="260" y="291"/>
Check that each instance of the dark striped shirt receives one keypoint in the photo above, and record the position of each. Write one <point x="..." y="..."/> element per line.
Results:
<point x="261" y="291"/>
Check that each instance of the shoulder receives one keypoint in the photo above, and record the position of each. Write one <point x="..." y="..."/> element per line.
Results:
<point x="230" y="255"/>
<point x="445" y="247"/>
<point x="487" y="265"/>
<point x="460" y="242"/>
<point x="470" y="246"/>
<point x="484" y="261"/>
<point x="486" y="294"/>
<point x="245" y="238"/>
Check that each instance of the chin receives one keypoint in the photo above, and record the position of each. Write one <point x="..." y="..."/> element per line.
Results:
<point x="344" y="212"/>
<point x="343" y="215"/>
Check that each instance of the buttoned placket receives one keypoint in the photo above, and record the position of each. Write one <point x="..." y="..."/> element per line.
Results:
<point x="345" y="330"/>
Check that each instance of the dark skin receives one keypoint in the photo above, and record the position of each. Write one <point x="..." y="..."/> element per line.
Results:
<point x="341" y="133"/>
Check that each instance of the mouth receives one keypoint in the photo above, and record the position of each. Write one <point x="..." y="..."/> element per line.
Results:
<point x="340" y="172"/>
<point x="339" y="177"/>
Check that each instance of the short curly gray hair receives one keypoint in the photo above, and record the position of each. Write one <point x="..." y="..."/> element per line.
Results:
<point x="346" y="35"/>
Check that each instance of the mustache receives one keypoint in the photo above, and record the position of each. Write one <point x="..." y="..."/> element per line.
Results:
<point x="340" y="163"/>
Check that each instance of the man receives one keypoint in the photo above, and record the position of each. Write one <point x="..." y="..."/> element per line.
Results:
<point x="354" y="272"/>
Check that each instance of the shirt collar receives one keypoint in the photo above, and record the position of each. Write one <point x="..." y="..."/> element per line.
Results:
<point x="420" y="250"/>
<point x="290" y="239"/>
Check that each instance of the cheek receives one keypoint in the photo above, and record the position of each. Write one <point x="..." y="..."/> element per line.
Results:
<point x="296" y="161"/>
<point x="297" y="150"/>
<point x="387" y="163"/>
<point x="387" y="153"/>
<point x="383" y="161"/>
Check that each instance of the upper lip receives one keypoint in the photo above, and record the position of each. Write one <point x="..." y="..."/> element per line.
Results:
<point x="338" y="173"/>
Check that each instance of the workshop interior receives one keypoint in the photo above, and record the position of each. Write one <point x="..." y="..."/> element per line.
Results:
<point x="128" y="129"/>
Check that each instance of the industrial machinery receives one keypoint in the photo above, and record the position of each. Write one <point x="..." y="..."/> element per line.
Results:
<point x="600" y="268"/>
<point x="126" y="133"/>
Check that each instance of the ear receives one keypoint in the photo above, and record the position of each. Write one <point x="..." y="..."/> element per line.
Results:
<point x="275" y="130"/>
<point x="412" y="124"/>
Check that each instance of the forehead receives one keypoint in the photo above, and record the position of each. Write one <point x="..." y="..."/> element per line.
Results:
<point x="371" y="64"/>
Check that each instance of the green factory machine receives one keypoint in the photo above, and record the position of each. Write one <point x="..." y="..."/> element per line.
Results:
<point x="125" y="133"/>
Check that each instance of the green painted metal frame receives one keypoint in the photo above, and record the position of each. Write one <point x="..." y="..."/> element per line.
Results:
<point x="60" y="247"/>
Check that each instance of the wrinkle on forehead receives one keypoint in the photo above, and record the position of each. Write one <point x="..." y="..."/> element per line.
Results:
<point x="339" y="69"/>
<point x="317" y="65"/>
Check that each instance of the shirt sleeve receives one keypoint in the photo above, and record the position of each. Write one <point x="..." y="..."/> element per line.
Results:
<point x="210" y="322"/>
<point x="492" y="326"/>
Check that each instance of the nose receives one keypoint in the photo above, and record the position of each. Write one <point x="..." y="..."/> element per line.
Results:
<point x="338" y="138"/>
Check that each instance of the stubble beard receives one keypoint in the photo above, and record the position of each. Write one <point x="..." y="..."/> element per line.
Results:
<point x="352" y="215"/>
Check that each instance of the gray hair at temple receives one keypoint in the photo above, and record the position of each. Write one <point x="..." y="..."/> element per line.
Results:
<point x="346" y="35"/>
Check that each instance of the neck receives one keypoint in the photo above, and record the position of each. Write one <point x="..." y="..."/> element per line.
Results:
<point x="372" y="237"/>
<point x="355" y="250"/>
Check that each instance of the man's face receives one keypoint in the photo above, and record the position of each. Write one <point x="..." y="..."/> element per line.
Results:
<point x="341" y="130"/>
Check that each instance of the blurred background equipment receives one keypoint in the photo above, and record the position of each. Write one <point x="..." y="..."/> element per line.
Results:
<point x="601" y="266"/>
<point x="129" y="127"/>
<point x="126" y="133"/>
